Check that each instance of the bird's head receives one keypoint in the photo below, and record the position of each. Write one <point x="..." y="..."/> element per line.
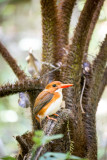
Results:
<point x="55" y="85"/>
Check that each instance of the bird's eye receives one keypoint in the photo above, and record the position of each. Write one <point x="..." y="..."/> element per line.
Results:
<point x="54" y="85"/>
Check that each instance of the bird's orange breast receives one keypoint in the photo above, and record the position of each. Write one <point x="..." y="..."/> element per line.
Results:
<point x="42" y="112"/>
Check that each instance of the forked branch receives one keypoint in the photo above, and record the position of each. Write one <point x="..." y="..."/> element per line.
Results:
<point x="79" y="40"/>
<point x="73" y="71"/>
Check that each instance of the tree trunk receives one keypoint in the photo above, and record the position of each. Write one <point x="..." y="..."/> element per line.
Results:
<point x="70" y="60"/>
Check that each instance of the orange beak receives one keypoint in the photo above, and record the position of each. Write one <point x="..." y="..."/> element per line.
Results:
<point x="65" y="85"/>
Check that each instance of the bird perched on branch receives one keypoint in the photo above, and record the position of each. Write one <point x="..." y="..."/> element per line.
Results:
<point x="49" y="100"/>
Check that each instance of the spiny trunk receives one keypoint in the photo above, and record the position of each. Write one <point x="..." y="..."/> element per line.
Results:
<point x="79" y="129"/>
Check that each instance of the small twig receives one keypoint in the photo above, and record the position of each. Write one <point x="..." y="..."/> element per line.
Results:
<point x="51" y="71"/>
<point x="49" y="64"/>
<point x="39" y="152"/>
<point x="12" y="63"/>
<point x="66" y="50"/>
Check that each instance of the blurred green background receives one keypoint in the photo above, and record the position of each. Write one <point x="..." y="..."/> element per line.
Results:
<point x="20" y="30"/>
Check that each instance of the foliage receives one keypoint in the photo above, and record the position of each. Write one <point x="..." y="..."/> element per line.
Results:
<point x="8" y="158"/>
<point x="41" y="139"/>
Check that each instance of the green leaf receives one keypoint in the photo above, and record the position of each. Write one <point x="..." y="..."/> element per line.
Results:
<point x="37" y="140"/>
<point x="58" y="156"/>
<point x="39" y="133"/>
<point x="46" y="139"/>
<point x="8" y="158"/>
<point x="40" y="138"/>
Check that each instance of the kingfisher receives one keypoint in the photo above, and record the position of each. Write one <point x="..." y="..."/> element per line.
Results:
<point x="48" y="102"/>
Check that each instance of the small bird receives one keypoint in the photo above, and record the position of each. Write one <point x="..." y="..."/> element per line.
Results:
<point x="49" y="101"/>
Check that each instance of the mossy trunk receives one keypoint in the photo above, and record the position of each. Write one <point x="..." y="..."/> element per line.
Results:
<point x="78" y="128"/>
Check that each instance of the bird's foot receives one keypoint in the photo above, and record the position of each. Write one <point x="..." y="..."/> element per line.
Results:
<point x="51" y="118"/>
<point x="56" y="115"/>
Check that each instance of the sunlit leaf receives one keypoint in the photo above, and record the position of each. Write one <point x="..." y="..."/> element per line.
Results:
<point x="8" y="158"/>
<point x="47" y="139"/>
<point x="39" y="133"/>
<point x="36" y="140"/>
<point x="41" y="139"/>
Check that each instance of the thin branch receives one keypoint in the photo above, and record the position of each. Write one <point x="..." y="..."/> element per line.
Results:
<point x="19" y="86"/>
<point x="12" y="63"/>
<point x="82" y="95"/>
<point x="92" y="26"/>
<point x="49" y="23"/>
<point x="103" y="83"/>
